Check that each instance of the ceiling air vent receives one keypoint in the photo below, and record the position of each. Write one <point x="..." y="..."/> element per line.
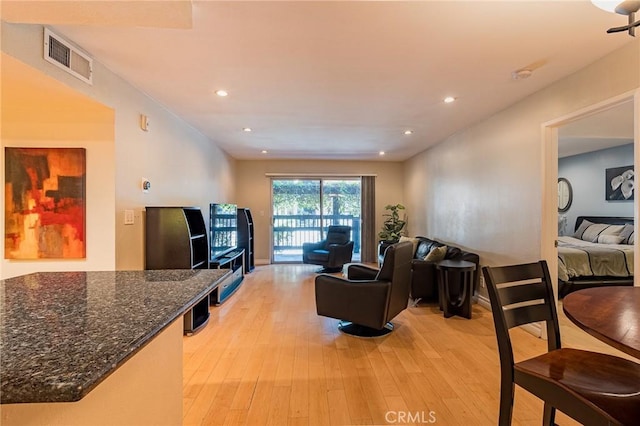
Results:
<point x="62" y="54"/>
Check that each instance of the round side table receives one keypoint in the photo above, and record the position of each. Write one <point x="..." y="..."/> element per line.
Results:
<point x="461" y="305"/>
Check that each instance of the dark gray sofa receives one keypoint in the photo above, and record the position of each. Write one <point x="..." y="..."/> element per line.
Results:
<point x="424" y="278"/>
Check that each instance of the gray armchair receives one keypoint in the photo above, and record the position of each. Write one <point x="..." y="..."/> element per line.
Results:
<point x="331" y="253"/>
<point x="369" y="298"/>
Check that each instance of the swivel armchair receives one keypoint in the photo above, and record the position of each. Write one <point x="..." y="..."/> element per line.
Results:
<point x="331" y="253"/>
<point x="369" y="298"/>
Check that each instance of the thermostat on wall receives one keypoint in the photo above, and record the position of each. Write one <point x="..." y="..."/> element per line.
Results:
<point x="146" y="185"/>
<point x="144" y="122"/>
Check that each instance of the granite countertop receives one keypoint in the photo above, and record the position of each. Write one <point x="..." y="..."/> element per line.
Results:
<point x="62" y="333"/>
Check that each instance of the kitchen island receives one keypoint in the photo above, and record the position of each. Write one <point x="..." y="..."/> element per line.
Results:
<point x="96" y="347"/>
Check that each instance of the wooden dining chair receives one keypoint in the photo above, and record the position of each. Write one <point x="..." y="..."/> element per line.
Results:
<point x="590" y="387"/>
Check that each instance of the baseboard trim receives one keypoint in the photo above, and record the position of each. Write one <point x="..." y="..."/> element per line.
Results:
<point x="484" y="301"/>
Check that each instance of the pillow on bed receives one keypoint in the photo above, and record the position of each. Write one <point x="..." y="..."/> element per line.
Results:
<point x="594" y="231"/>
<point x="627" y="234"/>
<point x="609" y="231"/>
<point x="610" y="239"/>
<point x="583" y="227"/>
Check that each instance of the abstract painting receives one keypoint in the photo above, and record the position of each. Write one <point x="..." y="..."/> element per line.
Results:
<point x="45" y="203"/>
<point x="619" y="183"/>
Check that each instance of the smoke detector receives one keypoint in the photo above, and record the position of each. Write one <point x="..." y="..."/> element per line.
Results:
<point x="521" y="74"/>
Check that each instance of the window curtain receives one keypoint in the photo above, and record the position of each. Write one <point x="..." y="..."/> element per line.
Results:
<point x="368" y="211"/>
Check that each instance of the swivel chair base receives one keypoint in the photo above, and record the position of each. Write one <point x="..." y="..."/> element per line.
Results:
<point x="329" y="270"/>
<point x="358" y="330"/>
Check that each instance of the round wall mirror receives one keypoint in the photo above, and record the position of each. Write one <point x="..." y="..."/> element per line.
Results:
<point x="565" y="195"/>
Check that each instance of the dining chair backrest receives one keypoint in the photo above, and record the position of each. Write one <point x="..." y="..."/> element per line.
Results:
<point x="590" y="387"/>
<point x="521" y="294"/>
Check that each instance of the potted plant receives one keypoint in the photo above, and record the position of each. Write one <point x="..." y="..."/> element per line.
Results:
<point x="393" y="225"/>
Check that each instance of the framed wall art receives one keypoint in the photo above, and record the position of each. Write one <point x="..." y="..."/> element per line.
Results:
<point x="45" y="203"/>
<point x="619" y="183"/>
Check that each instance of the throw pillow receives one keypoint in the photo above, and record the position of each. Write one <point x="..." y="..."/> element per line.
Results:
<point x="413" y="241"/>
<point x="594" y="231"/>
<point x="626" y="233"/>
<point x="610" y="239"/>
<point x="583" y="227"/>
<point x="436" y="254"/>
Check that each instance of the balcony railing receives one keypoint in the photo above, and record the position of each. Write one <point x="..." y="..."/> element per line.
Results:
<point x="290" y="231"/>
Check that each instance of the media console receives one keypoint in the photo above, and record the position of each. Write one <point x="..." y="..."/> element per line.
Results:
<point x="234" y="261"/>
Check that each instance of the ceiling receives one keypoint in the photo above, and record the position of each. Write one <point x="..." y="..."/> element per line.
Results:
<point x="333" y="79"/>
<point x="605" y="129"/>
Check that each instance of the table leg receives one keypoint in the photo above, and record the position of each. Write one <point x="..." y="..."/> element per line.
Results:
<point x="462" y="305"/>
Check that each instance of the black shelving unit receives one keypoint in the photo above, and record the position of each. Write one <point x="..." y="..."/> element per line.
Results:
<point x="245" y="238"/>
<point x="175" y="238"/>
<point x="197" y="317"/>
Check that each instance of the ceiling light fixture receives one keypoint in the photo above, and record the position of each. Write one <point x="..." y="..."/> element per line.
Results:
<point x="449" y="99"/>
<point x="628" y="8"/>
<point x="222" y="93"/>
<point x="246" y="129"/>
<point x="264" y="151"/>
<point x="408" y="132"/>
<point x="381" y="153"/>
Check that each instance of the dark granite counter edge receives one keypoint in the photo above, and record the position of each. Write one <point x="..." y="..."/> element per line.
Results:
<point x="74" y="394"/>
<point x="144" y="340"/>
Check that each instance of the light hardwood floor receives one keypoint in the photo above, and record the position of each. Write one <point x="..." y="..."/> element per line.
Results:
<point x="266" y="358"/>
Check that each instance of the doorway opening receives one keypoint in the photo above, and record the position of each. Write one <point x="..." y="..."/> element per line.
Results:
<point x="303" y="209"/>
<point x="559" y="211"/>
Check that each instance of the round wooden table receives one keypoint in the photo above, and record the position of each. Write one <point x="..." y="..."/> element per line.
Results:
<point x="610" y="314"/>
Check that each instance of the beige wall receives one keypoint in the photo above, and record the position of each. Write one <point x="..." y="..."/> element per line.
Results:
<point x="253" y="188"/>
<point x="38" y="111"/>
<point x="483" y="187"/>
<point x="184" y="167"/>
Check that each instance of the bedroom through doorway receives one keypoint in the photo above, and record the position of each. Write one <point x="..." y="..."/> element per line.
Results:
<point x="596" y="183"/>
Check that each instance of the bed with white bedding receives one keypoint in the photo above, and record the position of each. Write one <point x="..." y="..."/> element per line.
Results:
<point x="600" y="252"/>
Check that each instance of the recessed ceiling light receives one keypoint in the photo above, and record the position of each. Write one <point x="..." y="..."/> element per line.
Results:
<point x="381" y="153"/>
<point x="449" y="99"/>
<point x="246" y="129"/>
<point x="408" y="132"/>
<point x="222" y="93"/>
<point x="264" y="151"/>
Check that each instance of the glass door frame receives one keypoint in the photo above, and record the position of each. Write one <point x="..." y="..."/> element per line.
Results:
<point x="321" y="202"/>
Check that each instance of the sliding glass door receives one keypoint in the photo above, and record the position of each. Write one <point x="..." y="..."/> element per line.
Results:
<point x="303" y="209"/>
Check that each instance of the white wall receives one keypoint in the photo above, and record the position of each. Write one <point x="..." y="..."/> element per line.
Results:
<point x="482" y="188"/>
<point x="585" y="173"/>
<point x="184" y="167"/>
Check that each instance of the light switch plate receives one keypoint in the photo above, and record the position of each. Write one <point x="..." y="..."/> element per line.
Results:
<point x="128" y="217"/>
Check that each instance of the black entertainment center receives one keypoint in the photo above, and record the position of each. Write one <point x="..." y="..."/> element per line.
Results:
<point x="176" y="238"/>
<point x="234" y="261"/>
<point x="224" y="251"/>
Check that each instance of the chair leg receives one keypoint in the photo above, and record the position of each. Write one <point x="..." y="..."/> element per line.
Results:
<point x="549" y="416"/>
<point x="507" y="389"/>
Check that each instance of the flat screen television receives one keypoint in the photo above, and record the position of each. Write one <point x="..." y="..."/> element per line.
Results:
<point x="223" y="229"/>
